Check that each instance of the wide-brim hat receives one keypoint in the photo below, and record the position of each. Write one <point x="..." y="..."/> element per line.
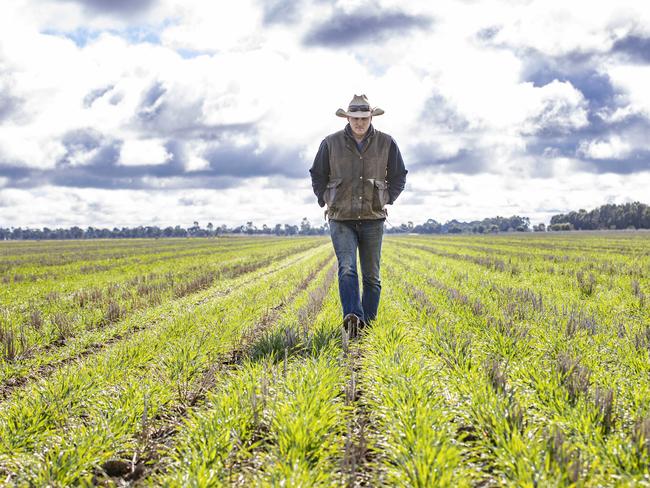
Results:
<point x="359" y="107"/>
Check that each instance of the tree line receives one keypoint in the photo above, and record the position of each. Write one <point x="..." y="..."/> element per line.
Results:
<point x="626" y="216"/>
<point x="497" y="224"/>
<point x="493" y="224"/>
<point x="634" y="215"/>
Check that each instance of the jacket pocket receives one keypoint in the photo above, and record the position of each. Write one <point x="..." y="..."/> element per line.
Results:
<point x="380" y="196"/>
<point x="330" y="191"/>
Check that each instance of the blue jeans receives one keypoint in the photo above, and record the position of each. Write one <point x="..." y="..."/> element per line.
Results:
<point x="347" y="236"/>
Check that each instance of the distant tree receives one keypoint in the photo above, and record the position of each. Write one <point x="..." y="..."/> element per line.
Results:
<point x="305" y="227"/>
<point x="76" y="232"/>
<point x="429" y="227"/>
<point x="562" y="226"/>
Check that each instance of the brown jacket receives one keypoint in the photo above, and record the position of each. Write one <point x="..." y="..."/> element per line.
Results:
<point x="357" y="187"/>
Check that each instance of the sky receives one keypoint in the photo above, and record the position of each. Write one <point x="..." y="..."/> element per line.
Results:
<point x="166" y="112"/>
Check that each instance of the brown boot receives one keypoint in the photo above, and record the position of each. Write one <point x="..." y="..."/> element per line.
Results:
<point x="351" y="324"/>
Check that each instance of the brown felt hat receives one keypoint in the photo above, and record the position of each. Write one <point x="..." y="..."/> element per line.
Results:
<point x="359" y="107"/>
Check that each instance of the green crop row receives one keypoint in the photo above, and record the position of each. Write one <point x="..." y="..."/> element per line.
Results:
<point x="55" y="258"/>
<point x="26" y="330"/>
<point x="88" y="342"/>
<point x="276" y="419"/>
<point x="61" y="431"/>
<point x="539" y="407"/>
<point x="89" y="274"/>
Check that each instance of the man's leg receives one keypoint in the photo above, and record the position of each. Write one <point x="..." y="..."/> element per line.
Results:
<point x="370" y="238"/>
<point x="345" y="241"/>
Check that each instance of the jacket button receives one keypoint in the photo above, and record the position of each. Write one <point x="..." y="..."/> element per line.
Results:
<point x="361" y="177"/>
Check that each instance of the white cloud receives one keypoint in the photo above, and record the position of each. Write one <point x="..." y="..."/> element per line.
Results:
<point x="196" y="163"/>
<point x="556" y="106"/>
<point x="148" y="152"/>
<point x="557" y="27"/>
<point x="634" y="79"/>
<point x="213" y="27"/>
<point x="612" y="148"/>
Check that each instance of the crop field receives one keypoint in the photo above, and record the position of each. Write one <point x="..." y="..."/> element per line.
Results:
<point x="501" y="360"/>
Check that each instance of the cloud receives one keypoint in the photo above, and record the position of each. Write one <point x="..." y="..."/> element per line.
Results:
<point x="603" y="132"/>
<point x="558" y="108"/>
<point x="555" y="28"/>
<point x="440" y="112"/>
<point x="247" y="161"/>
<point x="635" y="162"/>
<point x="608" y="147"/>
<point x="611" y="148"/>
<point x="10" y="104"/>
<point x="87" y="147"/>
<point x="634" y="47"/>
<point x="344" y="29"/>
<point x="136" y="152"/>
<point x="467" y="160"/>
<point x="280" y="11"/>
<point x="596" y="87"/>
<point x="197" y="26"/>
<point x="95" y="94"/>
<point x="152" y="102"/>
<point x="116" y="6"/>
<point x="94" y="160"/>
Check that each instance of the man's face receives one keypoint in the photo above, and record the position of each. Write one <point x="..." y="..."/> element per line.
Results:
<point x="359" y="125"/>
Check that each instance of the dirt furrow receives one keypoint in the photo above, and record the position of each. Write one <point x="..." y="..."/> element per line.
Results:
<point x="356" y="455"/>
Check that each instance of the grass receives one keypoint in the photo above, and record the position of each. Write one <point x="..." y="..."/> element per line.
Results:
<point x="513" y="360"/>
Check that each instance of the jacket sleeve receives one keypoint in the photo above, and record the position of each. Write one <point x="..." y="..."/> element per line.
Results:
<point x="396" y="173"/>
<point x="320" y="172"/>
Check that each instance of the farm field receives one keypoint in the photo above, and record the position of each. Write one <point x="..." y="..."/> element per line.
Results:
<point x="500" y="360"/>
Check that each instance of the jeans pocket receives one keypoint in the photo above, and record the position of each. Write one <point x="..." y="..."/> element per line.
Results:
<point x="330" y="191"/>
<point x="380" y="196"/>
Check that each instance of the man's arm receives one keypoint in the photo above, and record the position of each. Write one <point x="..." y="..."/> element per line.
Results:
<point x="396" y="172"/>
<point x="320" y="172"/>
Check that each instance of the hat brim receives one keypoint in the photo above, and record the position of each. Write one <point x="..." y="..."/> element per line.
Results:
<point x="360" y="115"/>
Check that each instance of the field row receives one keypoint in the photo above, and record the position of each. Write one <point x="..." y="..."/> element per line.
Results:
<point x="472" y="375"/>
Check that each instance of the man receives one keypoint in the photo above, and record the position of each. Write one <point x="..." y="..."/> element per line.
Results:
<point x="356" y="173"/>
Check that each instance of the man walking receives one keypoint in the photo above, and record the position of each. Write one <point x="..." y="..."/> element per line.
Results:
<point x="356" y="172"/>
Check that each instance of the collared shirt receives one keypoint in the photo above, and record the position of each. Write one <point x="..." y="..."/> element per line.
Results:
<point x="360" y="144"/>
<point x="395" y="175"/>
